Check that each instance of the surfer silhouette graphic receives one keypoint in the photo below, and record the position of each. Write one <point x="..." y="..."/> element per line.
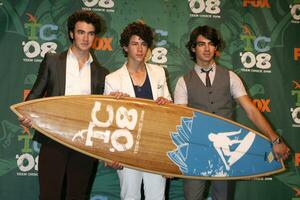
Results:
<point x="222" y="142"/>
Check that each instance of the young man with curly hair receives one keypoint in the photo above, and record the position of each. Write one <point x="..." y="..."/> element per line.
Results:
<point x="136" y="78"/>
<point x="63" y="172"/>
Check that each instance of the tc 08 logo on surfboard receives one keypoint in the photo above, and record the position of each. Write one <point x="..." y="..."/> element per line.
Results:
<point x="121" y="138"/>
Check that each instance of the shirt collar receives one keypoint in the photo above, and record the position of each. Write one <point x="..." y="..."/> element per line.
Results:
<point x="198" y="68"/>
<point x="72" y="55"/>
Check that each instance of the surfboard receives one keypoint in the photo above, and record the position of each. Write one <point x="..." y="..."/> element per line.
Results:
<point x="170" y="140"/>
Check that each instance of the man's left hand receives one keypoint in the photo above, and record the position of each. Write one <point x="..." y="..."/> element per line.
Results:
<point x="281" y="151"/>
<point x="162" y="101"/>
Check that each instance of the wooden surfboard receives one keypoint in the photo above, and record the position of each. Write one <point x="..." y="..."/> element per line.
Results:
<point x="169" y="139"/>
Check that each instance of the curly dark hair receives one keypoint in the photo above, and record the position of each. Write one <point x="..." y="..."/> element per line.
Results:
<point x="84" y="16"/>
<point x="208" y="32"/>
<point x="136" y="28"/>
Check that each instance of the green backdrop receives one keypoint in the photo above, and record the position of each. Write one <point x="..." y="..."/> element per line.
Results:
<point x="262" y="47"/>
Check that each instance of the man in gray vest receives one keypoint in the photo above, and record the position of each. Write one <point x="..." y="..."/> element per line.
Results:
<point x="214" y="89"/>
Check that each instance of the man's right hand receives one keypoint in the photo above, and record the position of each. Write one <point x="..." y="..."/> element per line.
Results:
<point x="114" y="165"/>
<point x="118" y="95"/>
<point x="25" y="122"/>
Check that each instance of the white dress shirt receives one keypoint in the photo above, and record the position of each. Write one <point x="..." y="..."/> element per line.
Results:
<point x="78" y="81"/>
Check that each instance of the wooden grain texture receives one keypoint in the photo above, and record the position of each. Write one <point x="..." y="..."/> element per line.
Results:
<point x="110" y="133"/>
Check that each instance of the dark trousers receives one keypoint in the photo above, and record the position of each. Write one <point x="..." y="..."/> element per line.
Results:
<point x="194" y="189"/>
<point x="65" y="173"/>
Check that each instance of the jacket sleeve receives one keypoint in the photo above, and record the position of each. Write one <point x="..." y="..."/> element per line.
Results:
<point x="108" y="87"/>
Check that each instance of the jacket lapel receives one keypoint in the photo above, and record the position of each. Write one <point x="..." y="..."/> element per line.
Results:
<point x="153" y="80"/>
<point x="126" y="82"/>
<point x="93" y="78"/>
<point x="61" y="72"/>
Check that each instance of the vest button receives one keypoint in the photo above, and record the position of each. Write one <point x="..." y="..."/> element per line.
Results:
<point x="213" y="112"/>
<point x="212" y="102"/>
<point x="210" y="92"/>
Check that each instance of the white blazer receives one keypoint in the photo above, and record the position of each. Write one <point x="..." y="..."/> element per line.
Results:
<point x="120" y="81"/>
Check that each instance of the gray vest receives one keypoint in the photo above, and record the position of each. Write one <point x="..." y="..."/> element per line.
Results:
<point x="215" y="99"/>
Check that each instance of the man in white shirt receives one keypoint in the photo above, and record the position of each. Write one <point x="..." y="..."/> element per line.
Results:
<point x="214" y="89"/>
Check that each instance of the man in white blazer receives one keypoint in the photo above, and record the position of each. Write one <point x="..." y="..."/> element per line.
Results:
<point x="120" y="81"/>
<point x="138" y="79"/>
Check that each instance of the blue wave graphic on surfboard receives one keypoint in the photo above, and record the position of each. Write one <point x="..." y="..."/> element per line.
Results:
<point x="208" y="146"/>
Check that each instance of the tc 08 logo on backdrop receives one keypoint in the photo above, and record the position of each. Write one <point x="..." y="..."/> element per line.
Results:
<point x="256" y="56"/>
<point x="99" y="5"/>
<point x="295" y="111"/>
<point x="295" y="12"/>
<point x="159" y="53"/>
<point x="27" y="159"/>
<point x="205" y="8"/>
<point x="40" y="39"/>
